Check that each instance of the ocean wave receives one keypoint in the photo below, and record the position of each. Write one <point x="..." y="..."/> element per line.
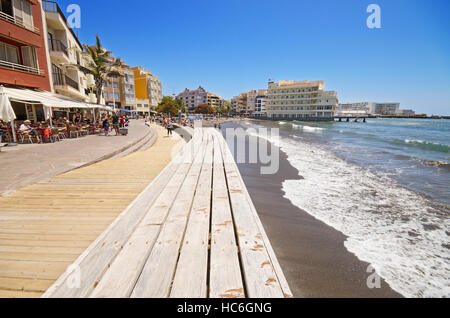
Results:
<point x="422" y="144"/>
<point x="394" y="229"/>
<point x="435" y="163"/>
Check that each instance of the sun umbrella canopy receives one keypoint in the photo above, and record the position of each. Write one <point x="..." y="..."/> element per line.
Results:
<point x="6" y="111"/>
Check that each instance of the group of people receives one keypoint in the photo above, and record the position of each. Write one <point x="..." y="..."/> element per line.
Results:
<point x="116" y="121"/>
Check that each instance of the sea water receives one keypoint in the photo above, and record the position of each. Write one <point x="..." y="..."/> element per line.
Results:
<point x="385" y="184"/>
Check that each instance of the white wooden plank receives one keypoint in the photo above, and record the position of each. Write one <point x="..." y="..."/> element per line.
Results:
<point x="138" y="248"/>
<point x="94" y="261"/>
<point x="260" y="278"/>
<point x="275" y="263"/>
<point x="225" y="273"/>
<point x="156" y="277"/>
<point x="191" y="272"/>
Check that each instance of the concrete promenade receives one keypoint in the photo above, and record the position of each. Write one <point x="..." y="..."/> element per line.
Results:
<point x="46" y="226"/>
<point x="27" y="164"/>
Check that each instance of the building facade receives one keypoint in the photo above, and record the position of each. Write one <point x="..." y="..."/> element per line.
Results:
<point x="260" y="106"/>
<point x="65" y="51"/>
<point x="387" y="109"/>
<point x="362" y="109"/>
<point x="148" y="90"/>
<point x="193" y="98"/>
<point x="215" y="100"/>
<point x="300" y="100"/>
<point x="127" y="92"/>
<point x="23" y="45"/>
<point x="354" y="109"/>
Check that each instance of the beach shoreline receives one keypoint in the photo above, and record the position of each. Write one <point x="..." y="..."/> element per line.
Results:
<point x="311" y="253"/>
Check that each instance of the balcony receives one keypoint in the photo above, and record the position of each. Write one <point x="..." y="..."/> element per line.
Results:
<point x="18" y="22"/>
<point x="21" y="68"/>
<point x="67" y="86"/>
<point x="58" y="51"/>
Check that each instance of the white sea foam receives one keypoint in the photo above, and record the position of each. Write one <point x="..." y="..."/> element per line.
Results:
<point x="390" y="227"/>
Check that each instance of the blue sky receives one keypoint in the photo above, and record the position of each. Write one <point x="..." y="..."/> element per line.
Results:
<point x="232" y="46"/>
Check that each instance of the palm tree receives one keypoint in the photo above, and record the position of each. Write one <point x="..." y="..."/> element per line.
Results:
<point x="101" y="65"/>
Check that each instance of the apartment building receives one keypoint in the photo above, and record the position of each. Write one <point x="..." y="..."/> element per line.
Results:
<point x="239" y="105"/>
<point x="65" y="51"/>
<point x="215" y="100"/>
<point x="387" y="109"/>
<point x="128" y="97"/>
<point x="260" y="106"/>
<point x="303" y="100"/>
<point x="367" y="108"/>
<point x="354" y="109"/>
<point x="23" y="47"/>
<point x="148" y="90"/>
<point x="193" y="98"/>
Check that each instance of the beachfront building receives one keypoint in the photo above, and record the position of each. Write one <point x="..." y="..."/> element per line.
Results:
<point x="23" y="53"/>
<point x="406" y="112"/>
<point x="253" y="97"/>
<point x="193" y="98"/>
<point x="260" y="106"/>
<point x="215" y="100"/>
<point x="148" y="90"/>
<point x="354" y="109"/>
<point x="65" y="52"/>
<point x="23" y="45"/>
<point x="386" y="109"/>
<point x="302" y="100"/>
<point x="127" y="92"/>
<point x="364" y="109"/>
<point x="239" y="105"/>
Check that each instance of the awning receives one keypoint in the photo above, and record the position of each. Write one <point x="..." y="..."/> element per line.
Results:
<point x="126" y="110"/>
<point x="48" y="99"/>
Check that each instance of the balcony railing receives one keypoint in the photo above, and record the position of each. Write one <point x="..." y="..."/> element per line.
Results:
<point x="58" y="46"/>
<point x="20" y="67"/>
<point x="62" y="80"/>
<point x="18" y="22"/>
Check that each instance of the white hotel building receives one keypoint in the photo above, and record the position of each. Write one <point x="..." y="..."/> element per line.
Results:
<point x="305" y="100"/>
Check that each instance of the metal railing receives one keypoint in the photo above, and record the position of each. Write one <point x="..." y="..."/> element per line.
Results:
<point x="58" y="46"/>
<point x="20" y="67"/>
<point x="63" y="80"/>
<point x="18" y="22"/>
<point x="71" y="83"/>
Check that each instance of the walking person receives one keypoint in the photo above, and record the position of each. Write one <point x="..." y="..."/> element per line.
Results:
<point x="169" y="128"/>
<point x="115" y="122"/>
<point x="105" y="125"/>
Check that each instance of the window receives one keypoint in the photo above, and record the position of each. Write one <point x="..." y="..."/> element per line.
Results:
<point x="9" y="53"/>
<point x="22" y="12"/>
<point x="29" y="56"/>
<point x="6" y="7"/>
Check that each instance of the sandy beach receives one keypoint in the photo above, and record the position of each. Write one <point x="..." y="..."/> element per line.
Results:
<point x="312" y="254"/>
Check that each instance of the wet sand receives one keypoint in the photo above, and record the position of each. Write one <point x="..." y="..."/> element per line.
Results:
<point x="311" y="253"/>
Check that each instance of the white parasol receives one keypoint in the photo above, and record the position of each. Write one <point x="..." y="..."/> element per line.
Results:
<point x="6" y="111"/>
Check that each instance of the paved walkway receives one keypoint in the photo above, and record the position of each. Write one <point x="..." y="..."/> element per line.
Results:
<point x="45" y="227"/>
<point x="27" y="164"/>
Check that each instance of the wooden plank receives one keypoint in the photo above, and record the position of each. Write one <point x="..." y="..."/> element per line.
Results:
<point x="94" y="261"/>
<point x="274" y="260"/>
<point x="20" y="284"/>
<point x="259" y="275"/>
<point x="190" y="279"/>
<point x="225" y="271"/>
<point x="120" y="278"/>
<point x="157" y="274"/>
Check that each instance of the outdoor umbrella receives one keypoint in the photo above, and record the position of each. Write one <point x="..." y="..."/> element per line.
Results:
<point x="6" y="111"/>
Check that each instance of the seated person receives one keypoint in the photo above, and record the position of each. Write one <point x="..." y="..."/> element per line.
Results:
<point x="26" y="129"/>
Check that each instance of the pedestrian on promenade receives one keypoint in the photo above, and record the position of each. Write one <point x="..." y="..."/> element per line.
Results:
<point x="169" y="128"/>
<point x="106" y="125"/>
<point x="115" y="122"/>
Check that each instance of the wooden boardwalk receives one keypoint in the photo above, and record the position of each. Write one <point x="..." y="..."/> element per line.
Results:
<point x="45" y="227"/>
<point x="192" y="233"/>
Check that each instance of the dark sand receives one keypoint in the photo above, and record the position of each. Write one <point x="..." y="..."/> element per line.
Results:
<point x="312" y="254"/>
